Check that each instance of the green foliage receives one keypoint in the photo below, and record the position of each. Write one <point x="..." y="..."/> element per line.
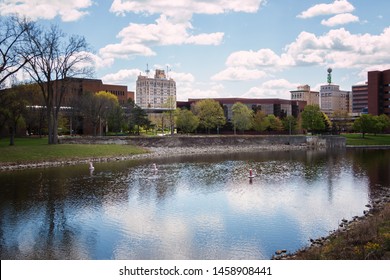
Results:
<point x="210" y="114"/>
<point x="312" y="118"/>
<point x="364" y="124"/>
<point x="242" y="116"/>
<point x="186" y="121"/>
<point x="275" y="124"/>
<point x="137" y="118"/>
<point x="382" y="122"/>
<point x="260" y="121"/>
<point x="290" y="124"/>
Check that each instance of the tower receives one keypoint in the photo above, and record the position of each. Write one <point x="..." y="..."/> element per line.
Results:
<point x="329" y="76"/>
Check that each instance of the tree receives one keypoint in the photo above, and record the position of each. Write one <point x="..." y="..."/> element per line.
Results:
<point x="57" y="59"/>
<point x="260" y="121"/>
<point x="242" y="117"/>
<point x="12" y="113"/>
<point x="170" y="105"/>
<point x="382" y="122"/>
<point x="137" y="117"/>
<point x="340" y="121"/>
<point x="97" y="108"/>
<point x="210" y="114"/>
<point x="186" y="121"/>
<point x="312" y="118"/>
<point x="290" y="124"/>
<point x="13" y="56"/>
<point x="275" y="124"/>
<point x="364" y="124"/>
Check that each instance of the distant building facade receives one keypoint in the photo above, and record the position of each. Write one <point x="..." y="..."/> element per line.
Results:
<point x="379" y="92"/>
<point x="278" y="107"/>
<point x="78" y="86"/>
<point x="360" y="99"/>
<point x="156" y="94"/>
<point x="303" y="93"/>
<point x="333" y="99"/>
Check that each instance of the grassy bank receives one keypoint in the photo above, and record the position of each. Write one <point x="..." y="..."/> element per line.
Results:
<point x="368" y="140"/>
<point x="37" y="149"/>
<point x="368" y="239"/>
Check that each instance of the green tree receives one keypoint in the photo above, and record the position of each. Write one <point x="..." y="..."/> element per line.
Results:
<point x="312" y="118"/>
<point x="275" y="124"/>
<point x="242" y="117"/>
<point x="364" y="124"/>
<point x="210" y="114"/>
<point x="11" y="113"/>
<point x="290" y="124"/>
<point x="260" y="121"/>
<point x="340" y="121"/>
<point x="382" y="122"/>
<point x="97" y="107"/>
<point x="137" y="117"/>
<point x="186" y="121"/>
<point x="170" y="105"/>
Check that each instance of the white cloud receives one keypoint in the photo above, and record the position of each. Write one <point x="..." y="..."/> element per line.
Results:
<point x="123" y="76"/>
<point x="337" y="7"/>
<point x="137" y="39"/>
<point x="70" y="10"/>
<point x="262" y="57"/>
<point x="279" y="88"/>
<point x="340" y="19"/>
<point x="339" y="48"/>
<point x="238" y="74"/>
<point x="184" y="9"/>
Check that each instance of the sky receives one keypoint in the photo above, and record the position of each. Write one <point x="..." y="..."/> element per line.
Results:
<point x="225" y="48"/>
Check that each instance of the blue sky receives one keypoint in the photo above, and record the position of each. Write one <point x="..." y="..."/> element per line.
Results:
<point x="226" y="48"/>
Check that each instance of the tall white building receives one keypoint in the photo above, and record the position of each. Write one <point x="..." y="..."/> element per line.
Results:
<point x="156" y="94"/>
<point x="333" y="99"/>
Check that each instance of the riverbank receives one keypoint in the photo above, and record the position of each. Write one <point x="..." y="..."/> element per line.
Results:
<point x="150" y="153"/>
<point x="365" y="237"/>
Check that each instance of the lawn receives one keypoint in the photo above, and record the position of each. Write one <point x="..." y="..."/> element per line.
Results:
<point x="37" y="149"/>
<point x="369" y="139"/>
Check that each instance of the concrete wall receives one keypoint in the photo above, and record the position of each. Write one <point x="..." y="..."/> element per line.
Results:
<point x="198" y="141"/>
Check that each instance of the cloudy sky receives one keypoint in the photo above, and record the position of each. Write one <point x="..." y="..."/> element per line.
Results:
<point x="225" y="48"/>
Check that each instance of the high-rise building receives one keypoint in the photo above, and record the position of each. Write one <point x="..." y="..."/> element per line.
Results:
<point x="360" y="98"/>
<point x="333" y="99"/>
<point x="303" y="93"/>
<point x="379" y="92"/>
<point x="156" y="94"/>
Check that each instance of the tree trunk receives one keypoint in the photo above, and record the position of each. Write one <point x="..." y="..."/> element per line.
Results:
<point x="12" y="131"/>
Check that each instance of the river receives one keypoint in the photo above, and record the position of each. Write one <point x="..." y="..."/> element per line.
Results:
<point x="192" y="207"/>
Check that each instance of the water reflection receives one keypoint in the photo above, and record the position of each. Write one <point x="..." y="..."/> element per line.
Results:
<point x="190" y="208"/>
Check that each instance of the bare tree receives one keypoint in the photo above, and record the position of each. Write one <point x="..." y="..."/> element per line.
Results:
<point x="57" y="59"/>
<point x="12" y="54"/>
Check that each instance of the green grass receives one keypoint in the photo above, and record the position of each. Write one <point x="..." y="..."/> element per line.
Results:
<point x="37" y="149"/>
<point x="369" y="139"/>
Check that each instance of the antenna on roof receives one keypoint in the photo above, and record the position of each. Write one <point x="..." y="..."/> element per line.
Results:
<point x="168" y="70"/>
<point x="147" y="70"/>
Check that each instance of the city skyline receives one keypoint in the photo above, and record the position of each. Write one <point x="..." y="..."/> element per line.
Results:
<point x="218" y="48"/>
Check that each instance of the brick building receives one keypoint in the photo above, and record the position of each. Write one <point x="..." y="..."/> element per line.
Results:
<point x="359" y="98"/>
<point x="379" y="92"/>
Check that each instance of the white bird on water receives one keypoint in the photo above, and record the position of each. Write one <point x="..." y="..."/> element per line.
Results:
<point x="91" y="167"/>
<point x="155" y="169"/>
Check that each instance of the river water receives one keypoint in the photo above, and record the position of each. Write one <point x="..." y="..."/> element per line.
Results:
<point x="193" y="207"/>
